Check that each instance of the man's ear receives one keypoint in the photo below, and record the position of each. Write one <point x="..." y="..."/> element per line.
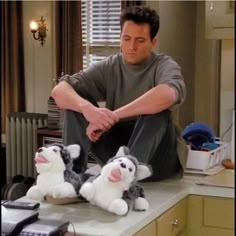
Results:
<point x="154" y="42"/>
<point x="74" y="150"/>
<point x="123" y="151"/>
<point x="143" y="171"/>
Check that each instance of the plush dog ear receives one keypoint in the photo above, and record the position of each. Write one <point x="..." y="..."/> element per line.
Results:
<point x="74" y="150"/>
<point x="123" y="151"/>
<point x="143" y="171"/>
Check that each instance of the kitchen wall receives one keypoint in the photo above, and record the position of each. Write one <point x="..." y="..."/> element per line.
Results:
<point x="39" y="61"/>
<point x="182" y="36"/>
<point x="227" y="88"/>
<point x="177" y="38"/>
<point x="207" y="64"/>
<point x="207" y="75"/>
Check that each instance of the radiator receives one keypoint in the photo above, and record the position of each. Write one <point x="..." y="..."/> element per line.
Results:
<point x="21" y="142"/>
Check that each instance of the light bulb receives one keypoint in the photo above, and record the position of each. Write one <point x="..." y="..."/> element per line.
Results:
<point x="34" y="26"/>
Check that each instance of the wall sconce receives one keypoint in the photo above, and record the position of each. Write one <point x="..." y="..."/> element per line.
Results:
<point x="40" y="28"/>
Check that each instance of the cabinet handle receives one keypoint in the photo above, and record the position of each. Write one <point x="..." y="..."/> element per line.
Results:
<point x="175" y="222"/>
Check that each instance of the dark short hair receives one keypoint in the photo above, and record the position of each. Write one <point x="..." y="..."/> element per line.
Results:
<point x="141" y="15"/>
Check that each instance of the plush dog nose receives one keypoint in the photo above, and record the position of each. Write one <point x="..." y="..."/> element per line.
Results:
<point x="40" y="150"/>
<point x="122" y="165"/>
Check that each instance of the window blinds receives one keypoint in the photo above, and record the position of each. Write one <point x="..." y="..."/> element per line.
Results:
<point x="100" y="29"/>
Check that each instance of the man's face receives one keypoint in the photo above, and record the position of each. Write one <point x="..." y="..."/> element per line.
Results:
<point x="136" y="43"/>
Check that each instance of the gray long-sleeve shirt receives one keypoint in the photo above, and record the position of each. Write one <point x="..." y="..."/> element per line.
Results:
<point x="118" y="83"/>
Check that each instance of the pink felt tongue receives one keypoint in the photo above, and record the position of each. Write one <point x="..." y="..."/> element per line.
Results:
<point x="40" y="159"/>
<point x="115" y="175"/>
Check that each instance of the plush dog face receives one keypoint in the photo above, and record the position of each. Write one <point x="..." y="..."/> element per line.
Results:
<point x="55" y="158"/>
<point x="120" y="169"/>
<point x="124" y="168"/>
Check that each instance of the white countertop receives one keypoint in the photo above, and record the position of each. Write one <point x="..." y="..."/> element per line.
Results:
<point x="90" y="220"/>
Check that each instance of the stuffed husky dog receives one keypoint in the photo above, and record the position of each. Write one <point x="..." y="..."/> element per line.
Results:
<point x="115" y="189"/>
<point x="56" y="177"/>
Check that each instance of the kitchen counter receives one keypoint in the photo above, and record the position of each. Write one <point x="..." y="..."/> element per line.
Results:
<point x="90" y="220"/>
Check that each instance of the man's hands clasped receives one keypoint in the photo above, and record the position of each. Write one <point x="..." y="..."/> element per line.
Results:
<point x="100" y="121"/>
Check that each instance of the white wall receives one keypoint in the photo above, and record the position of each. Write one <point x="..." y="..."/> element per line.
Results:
<point x="39" y="61"/>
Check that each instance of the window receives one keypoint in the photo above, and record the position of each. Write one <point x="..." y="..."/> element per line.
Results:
<point x="100" y="29"/>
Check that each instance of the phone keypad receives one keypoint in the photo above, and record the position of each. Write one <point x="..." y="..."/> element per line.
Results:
<point x="31" y="234"/>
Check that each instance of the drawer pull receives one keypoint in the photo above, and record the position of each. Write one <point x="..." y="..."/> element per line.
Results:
<point x="175" y="222"/>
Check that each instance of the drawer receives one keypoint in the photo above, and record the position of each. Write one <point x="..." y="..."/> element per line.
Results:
<point x="149" y="230"/>
<point x="218" y="212"/>
<point x="173" y="221"/>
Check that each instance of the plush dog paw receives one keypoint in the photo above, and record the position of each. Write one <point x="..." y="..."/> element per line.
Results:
<point x="141" y="204"/>
<point x="35" y="194"/>
<point x="64" y="190"/>
<point x="119" y="207"/>
<point x="87" y="191"/>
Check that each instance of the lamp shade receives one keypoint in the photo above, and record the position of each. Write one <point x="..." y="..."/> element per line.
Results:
<point x="34" y="26"/>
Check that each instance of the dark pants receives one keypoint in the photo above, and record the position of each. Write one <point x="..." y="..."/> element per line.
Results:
<point x="150" y="138"/>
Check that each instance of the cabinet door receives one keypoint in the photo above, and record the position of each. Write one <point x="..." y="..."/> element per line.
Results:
<point x="210" y="216"/>
<point x="149" y="230"/>
<point x="218" y="212"/>
<point x="220" y="19"/>
<point x="182" y="233"/>
<point x="173" y="222"/>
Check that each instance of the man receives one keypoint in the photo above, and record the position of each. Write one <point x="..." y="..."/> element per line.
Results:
<point x="140" y="89"/>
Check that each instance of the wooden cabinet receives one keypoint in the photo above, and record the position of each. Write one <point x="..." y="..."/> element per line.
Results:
<point x="170" y="223"/>
<point x="47" y="136"/>
<point x="194" y="216"/>
<point x="219" y="19"/>
<point x="210" y="216"/>
<point x="173" y="222"/>
<point x="149" y="230"/>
